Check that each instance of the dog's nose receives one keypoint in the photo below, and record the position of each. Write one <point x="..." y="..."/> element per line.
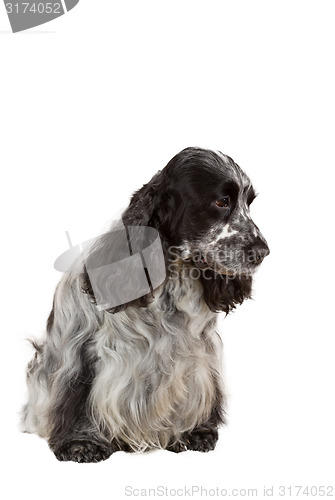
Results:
<point x="261" y="250"/>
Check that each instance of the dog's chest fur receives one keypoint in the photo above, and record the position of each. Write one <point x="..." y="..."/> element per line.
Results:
<point x="158" y="367"/>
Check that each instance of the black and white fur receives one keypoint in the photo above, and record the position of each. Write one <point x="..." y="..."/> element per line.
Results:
<point x="146" y="374"/>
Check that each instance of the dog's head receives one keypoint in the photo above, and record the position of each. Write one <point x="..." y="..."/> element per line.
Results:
<point x="212" y="222"/>
<point x="200" y="204"/>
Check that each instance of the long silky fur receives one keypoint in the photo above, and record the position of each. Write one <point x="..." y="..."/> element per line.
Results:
<point x="149" y="374"/>
<point x="146" y="374"/>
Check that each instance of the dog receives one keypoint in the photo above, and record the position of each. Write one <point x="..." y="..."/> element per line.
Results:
<point x="146" y="373"/>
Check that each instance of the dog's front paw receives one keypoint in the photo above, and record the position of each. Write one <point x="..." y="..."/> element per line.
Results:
<point x="202" y="440"/>
<point x="177" y="446"/>
<point x="82" y="452"/>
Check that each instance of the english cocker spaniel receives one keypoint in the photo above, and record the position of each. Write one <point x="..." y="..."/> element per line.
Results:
<point x="131" y="359"/>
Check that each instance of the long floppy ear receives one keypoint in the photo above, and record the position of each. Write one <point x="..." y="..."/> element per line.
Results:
<point x="144" y="203"/>
<point x="109" y="273"/>
<point x="223" y="293"/>
<point x="157" y="204"/>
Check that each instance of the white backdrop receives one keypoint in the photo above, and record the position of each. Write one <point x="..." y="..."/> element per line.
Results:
<point x="92" y="105"/>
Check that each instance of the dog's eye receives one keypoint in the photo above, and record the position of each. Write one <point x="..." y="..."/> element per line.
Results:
<point x="223" y="202"/>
